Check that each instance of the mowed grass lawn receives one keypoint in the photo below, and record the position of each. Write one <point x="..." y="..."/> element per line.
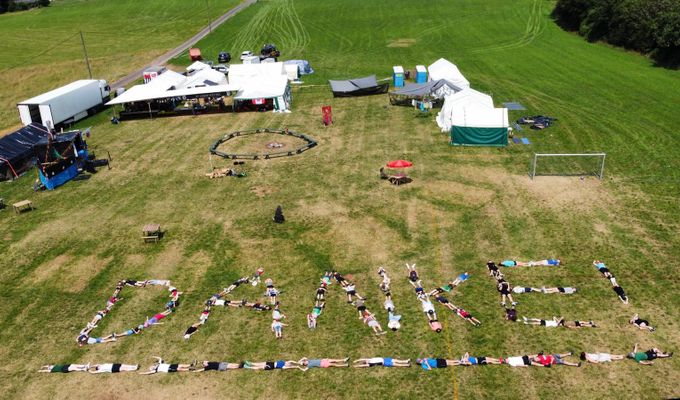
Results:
<point x="41" y="48"/>
<point x="60" y="262"/>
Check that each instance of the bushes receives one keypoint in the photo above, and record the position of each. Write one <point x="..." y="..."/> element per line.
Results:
<point x="648" y="26"/>
<point x="21" y="5"/>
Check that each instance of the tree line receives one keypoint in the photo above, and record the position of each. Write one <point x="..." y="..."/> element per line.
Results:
<point x="21" y="5"/>
<point x="651" y="27"/>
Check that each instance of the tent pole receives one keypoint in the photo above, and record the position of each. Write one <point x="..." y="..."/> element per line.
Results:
<point x="602" y="167"/>
<point x="533" y="173"/>
<point x="149" y="104"/>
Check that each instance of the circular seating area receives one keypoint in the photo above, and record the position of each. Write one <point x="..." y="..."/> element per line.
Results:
<point x="309" y="143"/>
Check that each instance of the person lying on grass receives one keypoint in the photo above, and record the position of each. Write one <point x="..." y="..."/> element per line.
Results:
<point x="85" y="339"/>
<point x="514" y="263"/>
<point x="602" y="268"/>
<point x="621" y="293"/>
<point x="641" y="323"/>
<point x="272" y="365"/>
<point x="522" y="361"/>
<point x="112" y="368"/>
<point x="277" y="328"/>
<point x="548" y="360"/>
<point x="64" y="368"/>
<point x="599" y="358"/>
<point x="428" y="308"/>
<point x="563" y="290"/>
<point x="468" y="360"/>
<point x="549" y="262"/>
<point x="192" y="329"/>
<point x="450" y="285"/>
<point x="277" y="315"/>
<point x="385" y="283"/>
<point x="361" y="307"/>
<point x="393" y="321"/>
<point x="130" y="332"/>
<point x="307" y="363"/>
<point x="492" y="267"/>
<point x="646" y="357"/>
<point x="550" y="323"/>
<point x="467" y="316"/>
<point x="432" y="363"/>
<point x="270" y="291"/>
<point x="522" y="289"/>
<point x="350" y="290"/>
<point x="413" y="277"/>
<point x="369" y="319"/>
<point x="162" y="366"/>
<point x="381" y="362"/>
<point x="218" y="366"/>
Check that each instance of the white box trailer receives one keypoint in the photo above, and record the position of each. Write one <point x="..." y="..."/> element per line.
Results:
<point x="66" y="104"/>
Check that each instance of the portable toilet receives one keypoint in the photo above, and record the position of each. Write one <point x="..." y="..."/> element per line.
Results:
<point x="421" y="74"/>
<point x="398" y="76"/>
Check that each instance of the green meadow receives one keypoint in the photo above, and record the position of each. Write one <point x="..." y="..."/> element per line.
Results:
<point x="60" y="262"/>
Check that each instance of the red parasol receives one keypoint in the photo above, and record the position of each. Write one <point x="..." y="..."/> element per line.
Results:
<point x="399" y="164"/>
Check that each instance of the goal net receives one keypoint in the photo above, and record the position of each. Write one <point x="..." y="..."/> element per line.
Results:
<point x="567" y="164"/>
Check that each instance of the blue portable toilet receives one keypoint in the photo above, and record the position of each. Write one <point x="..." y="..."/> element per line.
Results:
<point x="398" y="76"/>
<point x="421" y="74"/>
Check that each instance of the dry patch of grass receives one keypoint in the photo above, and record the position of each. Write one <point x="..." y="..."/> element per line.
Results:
<point x="64" y="274"/>
<point x="402" y="42"/>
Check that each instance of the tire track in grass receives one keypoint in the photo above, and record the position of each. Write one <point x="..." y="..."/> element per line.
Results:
<point x="440" y="267"/>
<point x="535" y="26"/>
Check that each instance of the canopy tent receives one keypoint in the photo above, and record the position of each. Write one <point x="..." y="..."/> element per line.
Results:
<point x="358" y="87"/>
<point x="434" y="90"/>
<point x="480" y="126"/>
<point x="455" y="102"/>
<point x="170" y="84"/>
<point x="274" y="88"/>
<point x="16" y="150"/>
<point x="197" y="66"/>
<point x="240" y="74"/>
<point x="303" y="66"/>
<point x="261" y="82"/>
<point x="445" y="69"/>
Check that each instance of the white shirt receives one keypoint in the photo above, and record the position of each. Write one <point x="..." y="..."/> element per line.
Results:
<point x="219" y="302"/>
<point x="376" y="360"/>
<point x="163" y="368"/>
<point x="515" y="361"/>
<point x="427" y="306"/>
<point x="105" y="368"/>
<point x="389" y="305"/>
<point x="551" y="323"/>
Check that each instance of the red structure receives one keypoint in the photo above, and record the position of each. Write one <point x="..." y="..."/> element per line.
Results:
<point x="327" y="115"/>
<point x="195" y="54"/>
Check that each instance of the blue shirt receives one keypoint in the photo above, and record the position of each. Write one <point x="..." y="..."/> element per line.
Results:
<point x="429" y="363"/>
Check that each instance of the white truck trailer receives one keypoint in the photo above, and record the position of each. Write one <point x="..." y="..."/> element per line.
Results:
<point x="66" y="104"/>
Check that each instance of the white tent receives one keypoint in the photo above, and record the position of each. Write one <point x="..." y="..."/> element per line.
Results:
<point x="205" y="77"/>
<point x="241" y="73"/>
<point x="291" y="71"/>
<point x="445" y="69"/>
<point x="455" y="103"/>
<point x="481" y="117"/>
<point x="197" y="66"/>
<point x="140" y="93"/>
<point x="275" y="88"/>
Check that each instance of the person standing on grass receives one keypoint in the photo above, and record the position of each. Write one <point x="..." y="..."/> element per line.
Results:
<point x="504" y="289"/>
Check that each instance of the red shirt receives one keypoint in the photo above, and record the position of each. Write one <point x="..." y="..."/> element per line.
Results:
<point x="463" y="313"/>
<point x="545" y="359"/>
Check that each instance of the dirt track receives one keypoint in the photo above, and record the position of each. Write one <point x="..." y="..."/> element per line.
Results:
<point x="134" y="75"/>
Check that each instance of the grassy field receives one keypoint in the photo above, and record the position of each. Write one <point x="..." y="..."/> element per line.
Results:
<point x="60" y="262"/>
<point x="41" y="48"/>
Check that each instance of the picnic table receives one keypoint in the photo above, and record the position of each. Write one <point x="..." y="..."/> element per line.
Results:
<point x="22" y="205"/>
<point x="151" y="233"/>
<point x="399" y="179"/>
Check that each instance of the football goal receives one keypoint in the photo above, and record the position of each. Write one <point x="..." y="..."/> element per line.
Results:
<point x="567" y="164"/>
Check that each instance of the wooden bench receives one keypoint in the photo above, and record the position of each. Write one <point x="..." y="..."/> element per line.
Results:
<point x="22" y="205"/>
<point x="151" y="233"/>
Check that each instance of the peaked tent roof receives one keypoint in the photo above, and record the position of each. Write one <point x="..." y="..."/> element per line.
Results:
<point x="16" y="149"/>
<point x="427" y="88"/>
<point x="445" y="69"/>
<point x="454" y="103"/>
